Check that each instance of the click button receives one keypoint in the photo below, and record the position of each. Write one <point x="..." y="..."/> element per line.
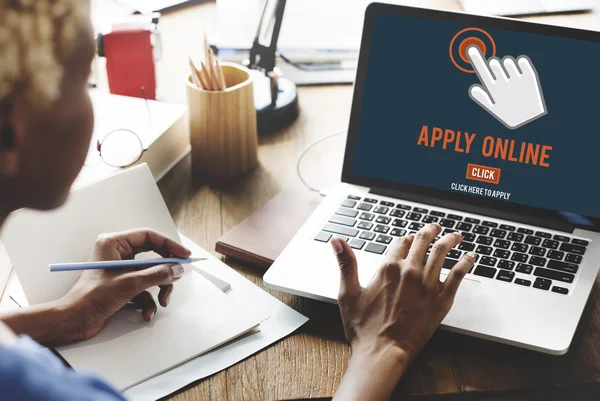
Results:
<point x="487" y="174"/>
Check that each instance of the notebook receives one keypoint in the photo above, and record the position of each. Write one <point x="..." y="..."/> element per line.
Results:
<point x="129" y="350"/>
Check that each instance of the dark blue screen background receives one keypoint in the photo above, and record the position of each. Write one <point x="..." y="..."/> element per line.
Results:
<point x="411" y="82"/>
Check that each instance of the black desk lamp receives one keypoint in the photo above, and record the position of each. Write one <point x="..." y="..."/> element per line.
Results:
<point x="275" y="97"/>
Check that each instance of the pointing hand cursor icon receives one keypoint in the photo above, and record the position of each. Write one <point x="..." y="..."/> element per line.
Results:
<point x="510" y="89"/>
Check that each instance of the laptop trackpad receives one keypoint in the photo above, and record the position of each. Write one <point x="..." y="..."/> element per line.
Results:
<point x="461" y="309"/>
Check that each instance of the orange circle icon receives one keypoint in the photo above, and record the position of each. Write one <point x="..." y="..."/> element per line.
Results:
<point x="470" y="41"/>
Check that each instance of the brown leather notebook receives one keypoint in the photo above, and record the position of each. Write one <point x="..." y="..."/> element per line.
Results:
<point x="260" y="238"/>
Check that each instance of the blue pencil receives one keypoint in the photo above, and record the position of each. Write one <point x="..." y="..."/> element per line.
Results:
<point x="121" y="264"/>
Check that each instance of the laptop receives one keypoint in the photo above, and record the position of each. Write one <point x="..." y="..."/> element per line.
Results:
<point x="486" y="126"/>
<point x="525" y="7"/>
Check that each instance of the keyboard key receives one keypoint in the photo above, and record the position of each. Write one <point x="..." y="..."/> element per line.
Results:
<point x="356" y="243"/>
<point x="375" y="248"/>
<point x="537" y="251"/>
<point x="481" y="230"/>
<point x="454" y="217"/>
<point x="414" y="216"/>
<point x="466" y="246"/>
<point x="323" y="237"/>
<point x="367" y="216"/>
<point x="548" y="243"/>
<point x="353" y="197"/>
<point x="573" y="258"/>
<point x="507" y="227"/>
<point x="580" y="242"/>
<point x="403" y="207"/>
<point x="519" y="257"/>
<point x="524" y="268"/>
<point x="420" y="210"/>
<point x="485" y="271"/>
<point x="345" y="221"/>
<point x="520" y="281"/>
<point x="482" y="239"/>
<point x="543" y="234"/>
<point x="349" y="203"/>
<point x="448" y="231"/>
<point x="502" y="244"/>
<point x="488" y="261"/>
<point x="537" y="261"/>
<point x="498" y="233"/>
<point x="468" y="237"/>
<point x="381" y="210"/>
<point x="554" y="275"/>
<point x="371" y="200"/>
<point x="397" y="213"/>
<point x="398" y="232"/>
<point x="454" y="254"/>
<point x="383" y="220"/>
<point x="515" y="237"/>
<point x="542" y="284"/>
<point x="576" y="249"/>
<point x="447" y="223"/>
<point x="381" y="229"/>
<point x="501" y="253"/>
<point x="367" y="235"/>
<point x="563" y="267"/>
<point x="472" y="220"/>
<point x="437" y="214"/>
<point x="430" y="219"/>
<point x="505" y="275"/>
<point x="560" y="290"/>
<point x="342" y="237"/>
<point x="506" y="264"/>
<point x="519" y="248"/>
<point x="347" y="231"/>
<point x="384" y="239"/>
<point x="561" y="238"/>
<point x="483" y="250"/>
<point x="489" y="224"/>
<point x="365" y="206"/>
<point x="342" y="211"/>
<point x="525" y="231"/>
<point x="364" y="225"/>
<point x="557" y="255"/>
<point x="385" y="203"/>
<point x="448" y="263"/>
<point x="533" y="240"/>
<point x="464" y="226"/>
<point x="416" y="226"/>
<point x="399" y="223"/>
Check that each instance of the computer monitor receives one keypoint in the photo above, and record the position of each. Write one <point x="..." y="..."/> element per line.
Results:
<point x="484" y="113"/>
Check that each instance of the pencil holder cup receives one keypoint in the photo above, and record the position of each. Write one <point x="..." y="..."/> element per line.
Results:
<point x="223" y="131"/>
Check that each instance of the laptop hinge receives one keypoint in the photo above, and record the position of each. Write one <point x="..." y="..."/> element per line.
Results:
<point x="538" y="221"/>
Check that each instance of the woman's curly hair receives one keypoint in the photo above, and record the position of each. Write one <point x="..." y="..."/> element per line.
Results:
<point x="36" y="36"/>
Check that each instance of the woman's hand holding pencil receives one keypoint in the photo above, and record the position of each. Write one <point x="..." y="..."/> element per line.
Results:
<point x="210" y="77"/>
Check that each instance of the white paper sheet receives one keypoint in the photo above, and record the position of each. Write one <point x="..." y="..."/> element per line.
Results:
<point x="35" y="239"/>
<point x="129" y="350"/>
<point x="283" y="321"/>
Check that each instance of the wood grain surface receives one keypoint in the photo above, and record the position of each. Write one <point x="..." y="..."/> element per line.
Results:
<point x="310" y="364"/>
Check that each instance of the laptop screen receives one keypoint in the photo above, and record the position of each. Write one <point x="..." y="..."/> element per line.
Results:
<point x="481" y="111"/>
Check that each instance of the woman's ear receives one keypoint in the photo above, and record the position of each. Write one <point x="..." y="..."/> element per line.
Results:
<point x="9" y="157"/>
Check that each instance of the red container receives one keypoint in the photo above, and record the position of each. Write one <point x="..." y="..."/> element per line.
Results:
<point x="130" y="62"/>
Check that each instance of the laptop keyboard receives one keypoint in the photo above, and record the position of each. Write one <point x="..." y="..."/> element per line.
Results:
<point x="505" y="252"/>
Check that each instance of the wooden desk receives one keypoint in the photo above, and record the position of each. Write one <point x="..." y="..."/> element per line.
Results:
<point x="310" y="364"/>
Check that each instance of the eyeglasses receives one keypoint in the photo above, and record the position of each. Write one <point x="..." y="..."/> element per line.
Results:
<point x="120" y="148"/>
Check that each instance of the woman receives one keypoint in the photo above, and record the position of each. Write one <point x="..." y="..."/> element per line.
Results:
<point x="46" y="121"/>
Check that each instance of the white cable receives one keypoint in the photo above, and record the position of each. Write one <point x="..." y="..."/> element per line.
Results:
<point x="305" y="151"/>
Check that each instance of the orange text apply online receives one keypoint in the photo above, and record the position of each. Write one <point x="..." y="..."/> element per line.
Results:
<point x="497" y="148"/>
